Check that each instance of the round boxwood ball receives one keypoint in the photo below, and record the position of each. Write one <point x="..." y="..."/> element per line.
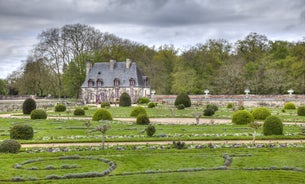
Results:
<point x="21" y="131"/>
<point x="10" y="146"/>
<point x="289" y="105"/>
<point x="142" y="119"/>
<point x="28" y="105"/>
<point x="102" y="114"/>
<point x="138" y="110"/>
<point x="38" y="114"/>
<point x="273" y="126"/>
<point x="125" y="100"/>
<point x="79" y="112"/>
<point x="60" y="108"/>
<point x="183" y="99"/>
<point x="261" y="113"/>
<point x="301" y="111"/>
<point x="241" y="117"/>
<point x="150" y="130"/>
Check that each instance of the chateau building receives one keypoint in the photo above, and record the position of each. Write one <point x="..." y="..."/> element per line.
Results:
<point x="106" y="81"/>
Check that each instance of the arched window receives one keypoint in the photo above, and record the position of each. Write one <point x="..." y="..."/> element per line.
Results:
<point x="132" y="82"/>
<point x="90" y="83"/>
<point x="99" y="83"/>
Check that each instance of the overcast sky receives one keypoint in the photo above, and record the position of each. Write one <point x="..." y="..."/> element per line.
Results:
<point x="182" y="23"/>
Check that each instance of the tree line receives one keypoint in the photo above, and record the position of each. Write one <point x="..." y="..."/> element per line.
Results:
<point x="56" y="64"/>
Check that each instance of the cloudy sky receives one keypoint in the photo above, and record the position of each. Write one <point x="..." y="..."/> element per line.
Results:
<point x="182" y="23"/>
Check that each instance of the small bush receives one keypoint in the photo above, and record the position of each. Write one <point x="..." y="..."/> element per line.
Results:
<point x="180" y="107"/>
<point x="273" y="126"/>
<point x="125" y="100"/>
<point x="150" y="130"/>
<point x="241" y="117"/>
<point x="10" y="146"/>
<point x="213" y="107"/>
<point x="143" y="100"/>
<point x="152" y="104"/>
<point x="21" y="131"/>
<point x="261" y="113"/>
<point x="138" y="110"/>
<point x="28" y="105"/>
<point x="60" y="108"/>
<point x="241" y="107"/>
<point x="38" y="114"/>
<point x="179" y="145"/>
<point x="289" y="105"/>
<point x="142" y="119"/>
<point x="79" y="112"/>
<point x="105" y="104"/>
<point x="301" y="111"/>
<point x="230" y="105"/>
<point x="102" y="114"/>
<point x="183" y="99"/>
<point x="208" y="112"/>
<point x="86" y="108"/>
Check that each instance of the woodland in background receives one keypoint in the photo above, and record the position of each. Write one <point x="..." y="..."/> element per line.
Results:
<point x="56" y="65"/>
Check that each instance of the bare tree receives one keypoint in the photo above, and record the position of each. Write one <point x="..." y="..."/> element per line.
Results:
<point x="103" y="129"/>
<point x="255" y="126"/>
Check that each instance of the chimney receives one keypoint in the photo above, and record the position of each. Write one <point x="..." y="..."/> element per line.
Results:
<point x="112" y="64"/>
<point x="128" y="63"/>
<point x="88" y="66"/>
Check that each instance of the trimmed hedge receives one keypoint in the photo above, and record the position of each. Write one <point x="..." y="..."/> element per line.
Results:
<point x="138" y="110"/>
<point x="22" y="131"/>
<point x="60" y="108"/>
<point x="105" y="104"/>
<point x="152" y="104"/>
<point x="261" y="113"/>
<point x="273" y="126"/>
<point x="213" y="107"/>
<point x="125" y="100"/>
<point x="142" y="119"/>
<point x="10" y="146"/>
<point x="79" y="112"/>
<point x="242" y="117"/>
<point x="183" y="99"/>
<point x="301" y="111"/>
<point x="143" y="100"/>
<point x="208" y="112"/>
<point x="38" y="114"/>
<point x="150" y="130"/>
<point x="102" y="114"/>
<point x="28" y="106"/>
<point x="289" y="105"/>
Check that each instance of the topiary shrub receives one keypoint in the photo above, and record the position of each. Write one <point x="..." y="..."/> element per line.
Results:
<point x="79" y="112"/>
<point x="180" y="107"/>
<point x="289" y="105"/>
<point x="60" y="108"/>
<point x="301" y="111"/>
<point x="102" y="114"/>
<point x="22" y="131"/>
<point x="150" y="130"/>
<point x="125" y="100"/>
<point x="183" y="99"/>
<point x="105" y="105"/>
<point x="10" y="146"/>
<point x="143" y="100"/>
<point x="261" y="113"/>
<point x="142" y="119"/>
<point x="179" y="145"/>
<point x="213" y="107"/>
<point x="230" y="105"/>
<point x="86" y="108"/>
<point x="208" y="112"/>
<point x="38" y="114"/>
<point x="273" y="126"/>
<point x="152" y="104"/>
<point x="241" y="117"/>
<point x="138" y="110"/>
<point x="28" y="105"/>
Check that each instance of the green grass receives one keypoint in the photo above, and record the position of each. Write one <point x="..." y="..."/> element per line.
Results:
<point x="168" y="166"/>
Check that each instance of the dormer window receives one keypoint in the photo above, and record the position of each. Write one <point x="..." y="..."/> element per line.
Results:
<point x="116" y="82"/>
<point x="132" y="82"/>
<point x="90" y="83"/>
<point x="99" y="82"/>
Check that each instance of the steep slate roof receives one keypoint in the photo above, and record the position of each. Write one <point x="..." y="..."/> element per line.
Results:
<point x="119" y="72"/>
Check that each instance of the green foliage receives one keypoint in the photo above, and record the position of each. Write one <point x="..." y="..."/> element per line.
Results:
<point x="21" y="131"/>
<point x="273" y="126"/>
<point x="29" y="104"/>
<point x="241" y="117"/>
<point x="214" y="107"/>
<point x="301" y="111"/>
<point x="102" y="114"/>
<point x="79" y="112"/>
<point x="230" y="105"/>
<point x="142" y="119"/>
<point x="289" y="105"/>
<point x="3" y="87"/>
<point x="183" y="99"/>
<point x="60" y="108"/>
<point x="152" y="104"/>
<point x="105" y="104"/>
<point x="180" y="107"/>
<point x="150" y="130"/>
<point x="125" y="100"/>
<point x="86" y="108"/>
<point x="179" y="145"/>
<point x="38" y="114"/>
<point x="208" y="112"/>
<point x="143" y="100"/>
<point x="10" y="146"/>
<point x="138" y="110"/>
<point x="261" y="113"/>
